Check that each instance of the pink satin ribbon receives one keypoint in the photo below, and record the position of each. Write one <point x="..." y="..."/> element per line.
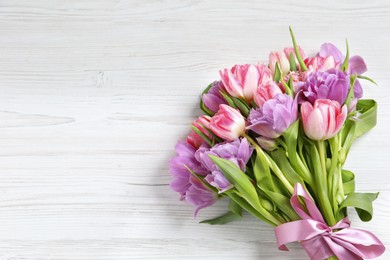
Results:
<point x="321" y="241"/>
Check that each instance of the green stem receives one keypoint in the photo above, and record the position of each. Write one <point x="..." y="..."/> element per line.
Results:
<point x="271" y="163"/>
<point x="334" y="171"/>
<point x="299" y="166"/>
<point x="319" y="164"/>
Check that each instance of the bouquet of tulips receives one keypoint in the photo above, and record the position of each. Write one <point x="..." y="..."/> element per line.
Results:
<point x="274" y="140"/>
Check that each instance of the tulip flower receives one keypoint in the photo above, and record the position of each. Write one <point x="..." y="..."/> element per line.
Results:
<point x="319" y="63"/>
<point x="283" y="59"/>
<point x="227" y="123"/>
<point x="202" y="124"/>
<point x="238" y="152"/>
<point x="324" y="119"/>
<point x="332" y="84"/>
<point x="266" y="92"/>
<point x="189" y="187"/>
<point x="241" y="81"/>
<point x="273" y="118"/>
<point x="213" y="98"/>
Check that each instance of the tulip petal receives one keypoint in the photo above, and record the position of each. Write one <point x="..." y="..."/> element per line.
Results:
<point x="328" y="49"/>
<point x="357" y="89"/>
<point x="251" y="81"/>
<point x="357" y="65"/>
<point x="315" y="125"/>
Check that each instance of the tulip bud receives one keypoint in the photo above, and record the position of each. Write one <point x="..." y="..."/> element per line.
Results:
<point x="281" y="59"/>
<point x="324" y="119"/>
<point x="227" y="123"/>
<point x="202" y="124"/>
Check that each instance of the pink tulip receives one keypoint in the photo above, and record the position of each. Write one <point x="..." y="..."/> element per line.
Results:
<point x="283" y="59"/>
<point x="202" y="124"/>
<point x="289" y="50"/>
<point x="266" y="92"/>
<point x="324" y="119"/>
<point x="228" y="123"/>
<point x="319" y="63"/>
<point x="241" y="81"/>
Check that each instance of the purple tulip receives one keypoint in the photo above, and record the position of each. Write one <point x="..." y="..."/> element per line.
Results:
<point x="356" y="64"/>
<point x="189" y="187"/>
<point x="274" y="117"/>
<point x="332" y="84"/>
<point x="213" y="98"/>
<point x="237" y="151"/>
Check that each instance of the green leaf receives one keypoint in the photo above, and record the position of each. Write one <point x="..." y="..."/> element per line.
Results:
<point x="297" y="52"/>
<point x="223" y="219"/>
<point x="348" y="181"/>
<point x="204" y="137"/>
<point x="245" y="205"/>
<point x="364" y="120"/>
<point x="291" y="84"/>
<point x="245" y="190"/>
<point x="367" y="78"/>
<point x="234" y="213"/>
<point x="200" y="178"/>
<point x="293" y="65"/>
<point x="228" y="99"/>
<point x="344" y="67"/>
<point x="281" y="160"/>
<point x="239" y="179"/>
<point x="242" y="106"/>
<point x="362" y="202"/>
<point x="202" y="105"/>
<point x="368" y="116"/>
<point x="286" y="86"/>
<point x="262" y="172"/>
<point x="292" y="138"/>
<point x="235" y="208"/>
<point x="283" y="204"/>
<point x="278" y="74"/>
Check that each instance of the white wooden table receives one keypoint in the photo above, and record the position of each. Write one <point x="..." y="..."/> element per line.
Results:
<point x="94" y="95"/>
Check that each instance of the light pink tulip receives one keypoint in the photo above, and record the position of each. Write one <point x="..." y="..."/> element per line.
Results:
<point x="324" y="119"/>
<point x="227" y="123"/>
<point x="289" y="50"/>
<point x="202" y="124"/>
<point x="283" y="59"/>
<point x="266" y="92"/>
<point x="241" y="81"/>
<point x="319" y="63"/>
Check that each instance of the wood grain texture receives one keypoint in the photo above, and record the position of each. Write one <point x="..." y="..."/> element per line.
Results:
<point x="95" y="93"/>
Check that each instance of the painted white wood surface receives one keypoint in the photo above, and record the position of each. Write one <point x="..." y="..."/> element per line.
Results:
<point x="94" y="94"/>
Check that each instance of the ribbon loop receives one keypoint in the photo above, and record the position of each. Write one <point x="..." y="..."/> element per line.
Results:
<point x="321" y="241"/>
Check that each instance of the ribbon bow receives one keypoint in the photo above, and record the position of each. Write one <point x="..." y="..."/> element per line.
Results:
<point x="321" y="241"/>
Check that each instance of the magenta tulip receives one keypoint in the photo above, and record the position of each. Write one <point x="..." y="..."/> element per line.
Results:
<point x="228" y="123"/>
<point x="324" y="119"/>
